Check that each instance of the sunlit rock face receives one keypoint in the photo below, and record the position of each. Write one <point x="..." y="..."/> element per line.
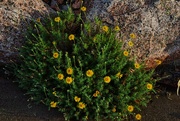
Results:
<point x="14" y="19"/>
<point x="156" y="24"/>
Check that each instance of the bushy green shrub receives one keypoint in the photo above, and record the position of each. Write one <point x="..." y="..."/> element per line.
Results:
<point x="85" y="74"/>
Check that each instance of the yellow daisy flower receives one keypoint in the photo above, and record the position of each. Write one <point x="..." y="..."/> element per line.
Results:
<point x="119" y="75"/>
<point x="130" y="43"/>
<point x="54" y="93"/>
<point x="38" y="19"/>
<point x="53" y="104"/>
<point x="105" y="28"/>
<point x="126" y="53"/>
<point x="77" y="99"/>
<point x="132" y="35"/>
<point x="71" y="37"/>
<point x="138" y="116"/>
<point x="149" y="86"/>
<point x="60" y="76"/>
<point x="55" y="55"/>
<point x="81" y="105"/>
<point x="69" y="80"/>
<point x="86" y="117"/>
<point x="89" y="73"/>
<point x="57" y="19"/>
<point x="107" y="79"/>
<point x="69" y="71"/>
<point x="96" y="94"/>
<point x="54" y="43"/>
<point x="158" y="62"/>
<point x="94" y="39"/>
<point x="114" y="109"/>
<point x="116" y="28"/>
<point x="136" y="65"/>
<point x="83" y="9"/>
<point x="130" y="108"/>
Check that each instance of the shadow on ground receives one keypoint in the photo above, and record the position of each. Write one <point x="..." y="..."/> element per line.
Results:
<point x="15" y="107"/>
<point x="165" y="106"/>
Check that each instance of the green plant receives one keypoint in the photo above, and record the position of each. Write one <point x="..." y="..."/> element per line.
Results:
<point x="86" y="75"/>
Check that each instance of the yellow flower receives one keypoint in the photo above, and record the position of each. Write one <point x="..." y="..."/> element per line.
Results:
<point x="107" y="79"/>
<point x="71" y="37"/>
<point x="60" y="76"/>
<point x="105" y="28"/>
<point x="55" y="55"/>
<point x="132" y="35"/>
<point x="89" y="73"/>
<point x="119" y="75"/>
<point x="38" y="19"/>
<point x="81" y="105"/>
<point x="94" y="39"/>
<point x="126" y="53"/>
<point x="83" y="9"/>
<point x="57" y="19"/>
<point x="130" y="43"/>
<point x="69" y="71"/>
<point x="114" y="109"/>
<point x="116" y="28"/>
<point x="54" y="93"/>
<point x="86" y="117"/>
<point x="54" y="42"/>
<point x="96" y="94"/>
<point x="137" y="65"/>
<point x="138" y="116"/>
<point x="77" y="99"/>
<point x="69" y="80"/>
<point x="130" y="108"/>
<point x="158" y="62"/>
<point x="149" y="86"/>
<point x="53" y="104"/>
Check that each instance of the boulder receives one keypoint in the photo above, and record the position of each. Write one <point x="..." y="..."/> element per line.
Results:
<point x="156" y="24"/>
<point x="14" y="18"/>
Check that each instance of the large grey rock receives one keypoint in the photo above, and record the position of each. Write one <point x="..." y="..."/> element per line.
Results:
<point x="155" y="22"/>
<point x="14" y="18"/>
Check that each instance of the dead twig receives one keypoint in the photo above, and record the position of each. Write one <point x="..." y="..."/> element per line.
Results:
<point x="178" y="86"/>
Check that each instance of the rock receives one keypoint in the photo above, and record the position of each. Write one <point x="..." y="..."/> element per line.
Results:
<point x="156" y="24"/>
<point x="59" y="5"/>
<point x="14" y="18"/>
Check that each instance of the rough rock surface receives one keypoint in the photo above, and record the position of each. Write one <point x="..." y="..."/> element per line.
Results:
<point x="14" y="18"/>
<point x="156" y="24"/>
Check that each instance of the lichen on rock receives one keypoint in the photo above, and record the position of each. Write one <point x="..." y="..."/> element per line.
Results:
<point x="14" y="18"/>
<point x="155" y="23"/>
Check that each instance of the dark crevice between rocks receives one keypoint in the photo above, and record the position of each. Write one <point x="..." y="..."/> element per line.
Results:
<point x="169" y="74"/>
<point x="59" y="5"/>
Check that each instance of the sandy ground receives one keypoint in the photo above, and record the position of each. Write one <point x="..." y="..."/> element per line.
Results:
<point x="165" y="106"/>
